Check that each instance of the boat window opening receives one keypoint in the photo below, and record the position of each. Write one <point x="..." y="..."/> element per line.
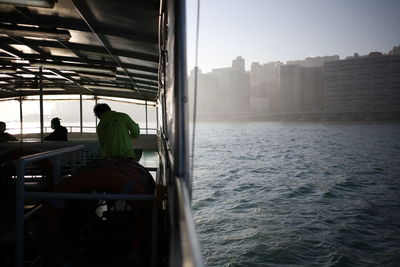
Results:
<point x="60" y="105"/>
<point x="136" y="112"/>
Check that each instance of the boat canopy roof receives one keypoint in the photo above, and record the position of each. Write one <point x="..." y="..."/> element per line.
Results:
<point x="90" y="47"/>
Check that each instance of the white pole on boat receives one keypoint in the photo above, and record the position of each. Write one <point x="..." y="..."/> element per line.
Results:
<point x="21" y="117"/>
<point x="41" y="105"/>
<point x="157" y="117"/>
<point x="81" y="112"/>
<point x="95" y="117"/>
<point x="145" y="103"/>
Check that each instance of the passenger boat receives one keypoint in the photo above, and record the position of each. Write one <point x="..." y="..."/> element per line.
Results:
<point x="131" y="50"/>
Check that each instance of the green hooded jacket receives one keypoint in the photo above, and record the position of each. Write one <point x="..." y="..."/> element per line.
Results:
<point x="115" y="132"/>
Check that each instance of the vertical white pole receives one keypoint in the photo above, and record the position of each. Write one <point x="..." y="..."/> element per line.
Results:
<point x="147" y="128"/>
<point x="95" y="103"/>
<point x="41" y="105"/>
<point x="21" y="117"/>
<point x="157" y="117"/>
<point x="81" y="111"/>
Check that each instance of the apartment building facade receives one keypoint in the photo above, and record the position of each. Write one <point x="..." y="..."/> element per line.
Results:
<point x="363" y="84"/>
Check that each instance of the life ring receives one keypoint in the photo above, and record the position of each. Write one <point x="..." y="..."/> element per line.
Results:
<point x="116" y="175"/>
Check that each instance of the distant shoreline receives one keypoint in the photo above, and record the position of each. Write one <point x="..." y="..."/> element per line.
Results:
<point x="306" y="117"/>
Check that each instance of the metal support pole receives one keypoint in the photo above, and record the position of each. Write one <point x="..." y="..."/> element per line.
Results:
<point x="95" y="103"/>
<point x="157" y="117"/>
<point x="147" y="128"/>
<point x="21" y="117"/>
<point x="41" y="104"/>
<point x="19" y="215"/>
<point x="164" y="115"/>
<point x="81" y="111"/>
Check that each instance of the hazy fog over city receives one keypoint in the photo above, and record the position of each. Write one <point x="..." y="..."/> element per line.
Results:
<point x="282" y="30"/>
<point x="296" y="60"/>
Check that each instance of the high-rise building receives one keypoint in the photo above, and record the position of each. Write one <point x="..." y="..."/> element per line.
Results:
<point x="312" y="87"/>
<point x="207" y="87"/>
<point x="233" y="87"/>
<point x="363" y="84"/>
<point x="264" y="83"/>
<point x="258" y="84"/>
<point x="238" y="64"/>
<point x="223" y="91"/>
<point x="313" y="61"/>
<point x="273" y="78"/>
<point x="395" y="51"/>
<point x="290" y="89"/>
<point x="301" y="85"/>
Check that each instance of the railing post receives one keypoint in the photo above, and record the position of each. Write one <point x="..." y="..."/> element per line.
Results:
<point x="20" y="194"/>
<point x="21" y="118"/>
<point x="95" y="117"/>
<point x="19" y="214"/>
<point x="81" y="112"/>
<point x="41" y="104"/>
<point x="147" y="127"/>
<point x="157" y="119"/>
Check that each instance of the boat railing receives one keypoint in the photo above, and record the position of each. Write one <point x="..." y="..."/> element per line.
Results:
<point x="92" y="129"/>
<point x="185" y="236"/>
<point x="72" y="129"/>
<point x="191" y="250"/>
<point x="78" y="156"/>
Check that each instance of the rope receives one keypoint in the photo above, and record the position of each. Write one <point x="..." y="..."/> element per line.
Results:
<point x="195" y="89"/>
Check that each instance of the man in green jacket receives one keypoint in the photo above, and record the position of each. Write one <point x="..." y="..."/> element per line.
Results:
<point x="115" y="132"/>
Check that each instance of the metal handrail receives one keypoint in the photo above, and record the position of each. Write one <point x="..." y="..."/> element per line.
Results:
<point x="56" y="195"/>
<point x="191" y="250"/>
<point x="70" y="127"/>
<point x="21" y="194"/>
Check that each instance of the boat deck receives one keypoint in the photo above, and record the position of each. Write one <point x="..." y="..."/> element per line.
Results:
<point x="36" y="187"/>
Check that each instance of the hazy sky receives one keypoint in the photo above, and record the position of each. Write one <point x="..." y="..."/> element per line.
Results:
<point x="271" y="30"/>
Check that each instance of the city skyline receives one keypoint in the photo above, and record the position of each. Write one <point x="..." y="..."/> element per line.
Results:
<point x="359" y="87"/>
<point x="290" y="61"/>
<point x="273" y="30"/>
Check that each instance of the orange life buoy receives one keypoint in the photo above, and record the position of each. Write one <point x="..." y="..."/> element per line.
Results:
<point x="115" y="175"/>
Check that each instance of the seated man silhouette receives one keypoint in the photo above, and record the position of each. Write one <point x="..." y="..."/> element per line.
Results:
<point x="115" y="132"/>
<point x="60" y="133"/>
<point x="4" y="137"/>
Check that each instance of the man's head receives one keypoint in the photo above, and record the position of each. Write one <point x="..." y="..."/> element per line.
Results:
<point x="100" y="109"/>
<point x="55" y="122"/>
<point x="2" y="126"/>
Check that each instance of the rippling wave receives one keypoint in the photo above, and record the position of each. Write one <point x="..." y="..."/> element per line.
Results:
<point x="298" y="194"/>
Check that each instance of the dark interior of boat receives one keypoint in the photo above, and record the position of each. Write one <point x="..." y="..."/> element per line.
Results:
<point x="59" y="206"/>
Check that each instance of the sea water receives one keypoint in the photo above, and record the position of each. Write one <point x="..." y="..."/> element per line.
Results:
<point x="298" y="194"/>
